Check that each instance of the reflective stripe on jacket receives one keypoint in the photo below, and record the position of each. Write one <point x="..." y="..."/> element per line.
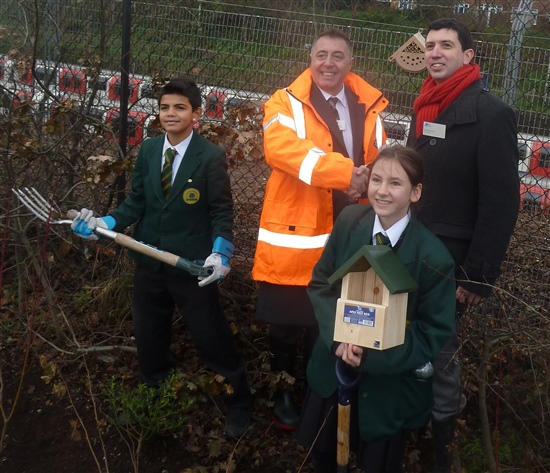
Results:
<point x="297" y="214"/>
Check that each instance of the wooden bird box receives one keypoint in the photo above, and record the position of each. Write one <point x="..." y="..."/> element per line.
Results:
<point x="372" y="309"/>
<point x="410" y="56"/>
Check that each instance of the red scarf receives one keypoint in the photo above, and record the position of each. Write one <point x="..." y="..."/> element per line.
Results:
<point x="434" y="98"/>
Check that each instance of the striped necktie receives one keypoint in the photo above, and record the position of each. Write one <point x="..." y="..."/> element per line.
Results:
<point x="382" y="239"/>
<point x="332" y="101"/>
<point x="166" y="174"/>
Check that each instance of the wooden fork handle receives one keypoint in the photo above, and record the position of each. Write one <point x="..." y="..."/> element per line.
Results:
<point x="148" y="250"/>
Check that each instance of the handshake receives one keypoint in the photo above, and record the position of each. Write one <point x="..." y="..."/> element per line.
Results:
<point x="359" y="182"/>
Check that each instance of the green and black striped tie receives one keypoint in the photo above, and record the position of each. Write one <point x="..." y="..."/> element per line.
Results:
<point x="381" y="239"/>
<point x="166" y="174"/>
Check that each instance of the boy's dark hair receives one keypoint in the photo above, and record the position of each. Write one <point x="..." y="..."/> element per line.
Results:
<point x="408" y="158"/>
<point x="185" y="87"/>
<point x="336" y="34"/>
<point x="464" y="35"/>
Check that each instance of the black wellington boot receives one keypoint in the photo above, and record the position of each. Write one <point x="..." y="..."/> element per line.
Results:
<point x="443" y="433"/>
<point x="285" y="414"/>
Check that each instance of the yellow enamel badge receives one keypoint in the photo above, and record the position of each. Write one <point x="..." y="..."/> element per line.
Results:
<point x="191" y="196"/>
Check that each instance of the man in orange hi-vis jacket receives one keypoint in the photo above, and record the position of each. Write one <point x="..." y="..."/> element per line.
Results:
<point x="319" y="135"/>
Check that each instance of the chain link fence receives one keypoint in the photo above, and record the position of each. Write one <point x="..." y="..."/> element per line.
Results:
<point x="64" y="58"/>
<point x="78" y="82"/>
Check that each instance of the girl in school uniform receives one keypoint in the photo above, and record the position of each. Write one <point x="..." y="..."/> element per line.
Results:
<point x="391" y="400"/>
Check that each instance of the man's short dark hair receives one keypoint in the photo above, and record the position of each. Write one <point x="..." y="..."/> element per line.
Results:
<point x="185" y="87"/>
<point x="464" y="35"/>
<point x="336" y="34"/>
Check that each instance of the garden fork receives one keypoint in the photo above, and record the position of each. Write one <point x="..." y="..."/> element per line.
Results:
<point x="45" y="211"/>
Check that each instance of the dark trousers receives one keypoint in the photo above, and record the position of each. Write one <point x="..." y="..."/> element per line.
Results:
<point x="318" y="430"/>
<point x="447" y="387"/>
<point x="289" y="313"/>
<point x="156" y="294"/>
<point x="283" y="345"/>
<point x="383" y="456"/>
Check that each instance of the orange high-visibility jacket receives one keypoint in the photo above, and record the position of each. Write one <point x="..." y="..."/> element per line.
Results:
<point x="297" y="214"/>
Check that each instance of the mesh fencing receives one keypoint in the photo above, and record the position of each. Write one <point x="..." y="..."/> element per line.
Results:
<point x="62" y="56"/>
<point x="71" y="124"/>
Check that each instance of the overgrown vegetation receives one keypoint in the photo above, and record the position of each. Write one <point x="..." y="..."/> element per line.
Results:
<point x="144" y="412"/>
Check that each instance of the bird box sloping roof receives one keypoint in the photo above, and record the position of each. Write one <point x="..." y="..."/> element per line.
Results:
<point x="385" y="263"/>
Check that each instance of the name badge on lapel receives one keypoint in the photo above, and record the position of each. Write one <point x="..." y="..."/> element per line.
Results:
<point x="437" y="130"/>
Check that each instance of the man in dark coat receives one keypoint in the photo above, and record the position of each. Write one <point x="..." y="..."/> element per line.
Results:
<point x="467" y="138"/>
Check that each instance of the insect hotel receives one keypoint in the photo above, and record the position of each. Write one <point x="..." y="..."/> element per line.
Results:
<point x="410" y="56"/>
<point x="372" y="309"/>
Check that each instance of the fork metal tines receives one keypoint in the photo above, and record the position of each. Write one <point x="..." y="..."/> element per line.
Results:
<point x="38" y="205"/>
<point x="44" y="210"/>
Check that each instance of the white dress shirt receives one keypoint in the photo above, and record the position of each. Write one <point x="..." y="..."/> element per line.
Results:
<point x="345" y="121"/>
<point x="394" y="232"/>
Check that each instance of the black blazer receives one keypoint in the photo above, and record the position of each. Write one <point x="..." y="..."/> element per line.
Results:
<point x="470" y="194"/>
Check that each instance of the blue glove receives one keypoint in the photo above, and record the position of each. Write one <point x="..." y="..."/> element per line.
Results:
<point x="84" y="223"/>
<point x="222" y="251"/>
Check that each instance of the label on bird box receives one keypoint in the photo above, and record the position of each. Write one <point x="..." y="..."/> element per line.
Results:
<point x="355" y="314"/>
<point x="371" y="325"/>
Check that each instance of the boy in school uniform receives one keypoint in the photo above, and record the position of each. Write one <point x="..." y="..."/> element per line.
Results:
<point x="182" y="203"/>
